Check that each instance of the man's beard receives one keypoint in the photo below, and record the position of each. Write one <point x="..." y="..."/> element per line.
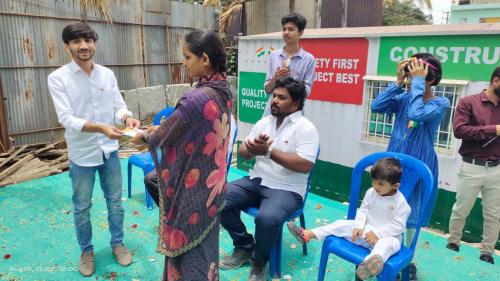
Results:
<point x="496" y="91"/>
<point x="77" y="55"/>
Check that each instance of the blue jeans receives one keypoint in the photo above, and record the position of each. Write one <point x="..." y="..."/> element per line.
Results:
<point x="82" y="181"/>
<point x="275" y="206"/>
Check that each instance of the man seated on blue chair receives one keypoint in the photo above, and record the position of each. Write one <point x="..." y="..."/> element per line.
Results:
<point x="379" y="223"/>
<point x="284" y="145"/>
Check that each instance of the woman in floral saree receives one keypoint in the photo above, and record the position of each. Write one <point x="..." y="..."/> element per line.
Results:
<point x="189" y="151"/>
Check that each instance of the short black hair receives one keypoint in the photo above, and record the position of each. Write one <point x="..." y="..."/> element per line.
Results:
<point x="208" y="42"/>
<point x="295" y="88"/>
<point x="77" y="30"/>
<point x="496" y="73"/>
<point x="433" y="74"/>
<point x="387" y="169"/>
<point x="297" y="19"/>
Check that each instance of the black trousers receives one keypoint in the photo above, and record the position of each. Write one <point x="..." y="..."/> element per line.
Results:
<point x="275" y="206"/>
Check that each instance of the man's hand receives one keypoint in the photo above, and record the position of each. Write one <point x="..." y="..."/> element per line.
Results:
<point x="418" y="68"/>
<point x="498" y="130"/>
<point x="281" y="72"/>
<point x="356" y="234"/>
<point x="132" y="123"/>
<point x="258" y="146"/>
<point x="111" y="131"/>
<point x="371" y="238"/>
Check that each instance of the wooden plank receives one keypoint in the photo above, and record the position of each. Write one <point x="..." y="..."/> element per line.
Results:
<point x="16" y="166"/>
<point x="25" y="178"/>
<point x="33" y="146"/>
<point x="26" y="174"/>
<point x="45" y="148"/>
<point x="34" y="163"/>
<point x="12" y="155"/>
<point x="52" y="153"/>
<point x="62" y="166"/>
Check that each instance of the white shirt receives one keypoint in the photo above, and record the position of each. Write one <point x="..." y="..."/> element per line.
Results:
<point x="384" y="215"/>
<point x="295" y="135"/>
<point x="79" y="98"/>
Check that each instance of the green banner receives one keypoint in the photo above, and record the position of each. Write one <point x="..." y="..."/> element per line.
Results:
<point x="252" y="98"/>
<point x="463" y="57"/>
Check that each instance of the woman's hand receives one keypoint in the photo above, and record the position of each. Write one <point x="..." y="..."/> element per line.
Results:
<point x="137" y="139"/>
<point x="152" y="129"/>
<point x="418" y="68"/>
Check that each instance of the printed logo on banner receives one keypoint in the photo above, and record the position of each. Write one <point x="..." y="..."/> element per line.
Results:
<point x="340" y="67"/>
<point x="252" y="97"/>
<point x="262" y="51"/>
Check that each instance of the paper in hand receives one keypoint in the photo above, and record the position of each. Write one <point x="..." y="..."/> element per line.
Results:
<point x="132" y="132"/>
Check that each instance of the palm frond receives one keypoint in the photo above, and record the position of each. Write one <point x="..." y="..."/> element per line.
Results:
<point x="211" y="3"/>
<point x="102" y="6"/>
<point x="227" y="16"/>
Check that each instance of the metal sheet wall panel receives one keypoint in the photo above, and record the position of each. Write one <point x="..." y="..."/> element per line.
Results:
<point x="31" y="44"/>
<point x="275" y="11"/>
<point x="331" y="13"/>
<point x="255" y="17"/>
<point x="364" y="13"/>
<point x="191" y="16"/>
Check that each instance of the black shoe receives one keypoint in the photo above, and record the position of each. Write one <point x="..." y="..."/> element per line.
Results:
<point x="487" y="258"/>
<point x="257" y="272"/>
<point x="453" y="247"/>
<point x="413" y="272"/>
<point x="236" y="260"/>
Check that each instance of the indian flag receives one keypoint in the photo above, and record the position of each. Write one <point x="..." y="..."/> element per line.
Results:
<point x="271" y="49"/>
<point x="260" y="52"/>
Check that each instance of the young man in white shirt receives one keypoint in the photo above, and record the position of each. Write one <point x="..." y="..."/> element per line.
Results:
<point x="89" y="104"/>
<point x="379" y="223"/>
<point x="285" y="145"/>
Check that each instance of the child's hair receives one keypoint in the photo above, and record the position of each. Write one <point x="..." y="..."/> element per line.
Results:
<point x="387" y="169"/>
<point x="435" y="72"/>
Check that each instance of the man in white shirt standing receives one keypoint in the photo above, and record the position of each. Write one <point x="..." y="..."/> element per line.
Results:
<point x="89" y="104"/>
<point x="285" y="145"/>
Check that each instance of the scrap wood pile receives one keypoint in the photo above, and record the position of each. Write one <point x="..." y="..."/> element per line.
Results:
<point x="32" y="161"/>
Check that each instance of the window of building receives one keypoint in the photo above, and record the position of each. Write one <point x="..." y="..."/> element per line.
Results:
<point x="378" y="127"/>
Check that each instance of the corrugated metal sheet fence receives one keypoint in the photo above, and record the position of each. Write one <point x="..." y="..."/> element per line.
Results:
<point x="142" y="47"/>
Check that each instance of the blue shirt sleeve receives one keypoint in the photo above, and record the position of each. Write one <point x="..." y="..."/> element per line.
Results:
<point x="388" y="101"/>
<point x="420" y="111"/>
<point x="309" y="75"/>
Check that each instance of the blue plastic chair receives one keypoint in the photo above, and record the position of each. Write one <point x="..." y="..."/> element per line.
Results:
<point x="144" y="160"/>
<point x="275" y="256"/>
<point x="413" y="171"/>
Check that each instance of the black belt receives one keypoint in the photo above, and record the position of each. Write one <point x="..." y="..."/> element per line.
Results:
<point x="479" y="162"/>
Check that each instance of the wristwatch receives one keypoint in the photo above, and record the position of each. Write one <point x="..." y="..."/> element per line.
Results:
<point x="268" y="153"/>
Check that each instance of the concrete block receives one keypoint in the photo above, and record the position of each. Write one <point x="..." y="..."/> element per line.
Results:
<point x="151" y="101"/>
<point x="175" y="92"/>
<point x="131" y="98"/>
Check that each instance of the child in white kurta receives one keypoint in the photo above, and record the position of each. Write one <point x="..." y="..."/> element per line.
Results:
<point x="378" y="226"/>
